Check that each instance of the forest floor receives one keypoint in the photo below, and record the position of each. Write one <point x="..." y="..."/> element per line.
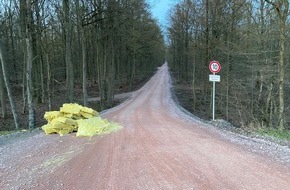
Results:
<point x="184" y="97"/>
<point x="160" y="147"/>
<point x="59" y="97"/>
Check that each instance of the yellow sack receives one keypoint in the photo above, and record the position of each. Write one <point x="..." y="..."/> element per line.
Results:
<point x="91" y="127"/>
<point x="49" y="129"/>
<point x="66" y="121"/>
<point x="50" y="115"/>
<point x="71" y="109"/>
<point x="86" y="115"/>
<point x="90" y="111"/>
<point x="74" y="117"/>
<point x="59" y="126"/>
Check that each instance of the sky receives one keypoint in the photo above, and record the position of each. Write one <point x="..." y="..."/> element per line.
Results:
<point x="160" y="9"/>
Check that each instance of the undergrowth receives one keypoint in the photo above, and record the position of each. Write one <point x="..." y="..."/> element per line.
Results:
<point x="6" y="132"/>
<point x="284" y="135"/>
<point x="10" y="132"/>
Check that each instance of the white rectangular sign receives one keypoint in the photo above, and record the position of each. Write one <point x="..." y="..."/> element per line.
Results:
<point x="215" y="78"/>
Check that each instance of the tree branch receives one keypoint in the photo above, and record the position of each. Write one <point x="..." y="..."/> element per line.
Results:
<point x="276" y="6"/>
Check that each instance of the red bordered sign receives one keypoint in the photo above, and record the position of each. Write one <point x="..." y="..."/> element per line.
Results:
<point x="214" y="66"/>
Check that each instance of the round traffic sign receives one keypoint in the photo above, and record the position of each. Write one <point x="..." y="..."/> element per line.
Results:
<point x="214" y="66"/>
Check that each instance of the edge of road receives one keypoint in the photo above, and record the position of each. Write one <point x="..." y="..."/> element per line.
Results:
<point x="276" y="150"/>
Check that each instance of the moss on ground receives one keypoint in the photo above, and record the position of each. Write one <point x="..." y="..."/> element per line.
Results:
<point x="283" y="135"/>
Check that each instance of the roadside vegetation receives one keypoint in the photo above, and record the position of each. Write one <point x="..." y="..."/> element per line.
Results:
<point x="7" y="132"/>
<point x="284" y="135"/>
<point x="250" y="40"/>
<point x="55" y="52"/>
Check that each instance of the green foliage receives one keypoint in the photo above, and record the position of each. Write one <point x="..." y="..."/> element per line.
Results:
<point x="284" y="135"/>
<point x="8" y="132"/>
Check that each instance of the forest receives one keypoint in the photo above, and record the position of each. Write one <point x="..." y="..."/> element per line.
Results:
<point x="250" y="40"/>
<point x="67" y="51"/>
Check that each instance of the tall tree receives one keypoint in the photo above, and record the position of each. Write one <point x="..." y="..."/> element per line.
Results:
<point x="2" y="96"/>
<point x="8" y="88"/>
<point x="29" y="53"/>
<point x="81" y="27"/>
<point x="282" y="10"/>
<point x="68" y="50"/>
<point x="103" y="43"/>
<point x="38" y="52"/>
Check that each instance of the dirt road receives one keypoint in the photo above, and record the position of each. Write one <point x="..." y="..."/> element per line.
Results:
<point x="158" y="148"/>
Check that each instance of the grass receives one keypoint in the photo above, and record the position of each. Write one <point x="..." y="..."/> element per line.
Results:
<point x="6" y="132"/>
<point x="284" y="135"/>
<point x="10" y="132"/>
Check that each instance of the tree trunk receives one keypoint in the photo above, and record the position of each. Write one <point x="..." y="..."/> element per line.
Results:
<point x="2" y="96"/>
<point x="8" y="89"/>
<point x="22" y="29"/>
<point x="31" y="117"/>
<point x="39" y="47"/>
<point x="193" y="81"/>
<point x="82" y="42"/>
<point x="48" y="81"/>
<point x="84" y="54"/>
<point x="24" y="96"/>
<point x="12" y="39"/>
<point x="29" y="52"/>
<point x="68" y="54"/>
<point x="282" y="9"/>
<point x="111" y="76"/>
<point x="282" y="75"/>
<point x="227" y="81"/>
<point x="268" y="107"/>
<point x="207" y="53"/>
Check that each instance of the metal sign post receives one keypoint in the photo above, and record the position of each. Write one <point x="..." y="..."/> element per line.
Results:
<point x="214" y="67"/>
<point x="213" y="100"/>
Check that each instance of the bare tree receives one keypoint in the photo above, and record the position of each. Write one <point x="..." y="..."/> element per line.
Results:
<point x="2" y="95"/>
<point x="80" y="18"/>
<point x="282" y="10"/>
<point x="8" y="88"/>
<point x="29" y="53"/>
<point x="68" y="50"/>
<point x="107" y="43"/>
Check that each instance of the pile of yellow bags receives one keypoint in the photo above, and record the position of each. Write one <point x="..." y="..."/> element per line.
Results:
<point x="76" y="118"/>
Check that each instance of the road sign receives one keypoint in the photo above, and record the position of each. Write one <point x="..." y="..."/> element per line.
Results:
<point x="214" y="66"/>
<point x="215" y="78"/>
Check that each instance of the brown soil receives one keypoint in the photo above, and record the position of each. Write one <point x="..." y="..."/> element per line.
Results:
<point x="59" y="97"/>
<point x="158" y="148"/>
